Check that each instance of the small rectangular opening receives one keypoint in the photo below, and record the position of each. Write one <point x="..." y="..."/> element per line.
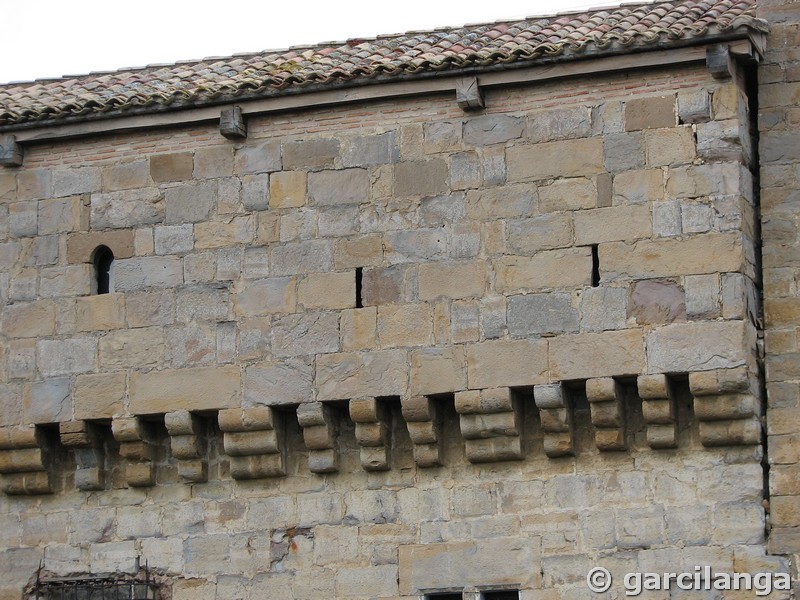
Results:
<point x="595" y="266"/>
<point x="359" y="277"/>
<point x="501" y="595"/>
<point x="444" y="596"/>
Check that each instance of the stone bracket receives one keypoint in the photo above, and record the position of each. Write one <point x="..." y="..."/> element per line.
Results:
<point x="659" y="410"/>
<point x="727" y="404"/>
<point x="469" y="94"/>
<point x="608" y="417"/>
<point x="720" y="62"/>
<point x="23" y="461"/>
<point x="10" y="151"/>
<point x="137" y="447"/>
<point x="253" y="438"/>
<point x="86" y="443"/>
<point x="189" y="445"/>
<point x="320" y="432"/>
<point x="490" y="424"/>
<point x="373" y="432"/>
<point x="231" y="123"/>
<point x="424" y="426"/>
<point x="555" y="413"/>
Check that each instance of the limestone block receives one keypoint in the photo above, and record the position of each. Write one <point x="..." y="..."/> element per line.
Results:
<point x="555" y="413"/>
<point x="508" y="201"/>
<point x="47" y="401"/>
<point x="126" y="176"/>
<point x="320" y="431"/>
<point x="261" y="158"/>
<point x="223" y="234"/>
<point x="486" y="130"/>
<point x="420" y="178"/>
<point x="640" y="186"/>
<point x="619" y="223"/>
<point x="100" y="313"/>
<point x="724" y="140"/>
<point x="313" y="256"/>
<point x="582" y="355"/>
<point x="549" y="269"/>
<point x="334" y="188"/>
<point x="697" y="254"/>
<point x="560" y="123"/>
<point x="568" y="158"/>
<point x="71" y="280"/>
<point x="405" y="325"/>
<point x="438" y="370"/>
<point x="370" y="150"/>
<point x="373" y="432"/>
<point x="327" y="290"/>
<point x="543" y="232"/>
<point x="125" y="209"/>
<point x="266" y="296"/>
<point x="133" y="274"/>
<point x="23" y="218"/>
<point x="465" y="171"/>
<point x="504" y="363"/>
<point x="361" y="374"/>
<point x="278" y="382"/>
<point x="213" y="161"/>
<point x="697" y="181"/>
<point x="190" y="203"/>
<point x="702" y="346"/>
<point x="202" y="388"/>
<point x="29" y="319"/>
<point x="415" y="245"/>
<point x="603" y="308"/>
<point x="33" y="184"/>
<point x="568" y="194"/>
<point x="319" y="153"/>
<point x="255" y="195"/>
<point x="305" y="334"/>
<point x="541" y="314"/>
<point x="67" y="356"/>
<point x="358" y="251"/>
<point x="63" y="215"/>
<point x="177" y="166"/>
<point x="650" y="113"/>
<point x="137" y="348"/>
<point x="173" y="239"/>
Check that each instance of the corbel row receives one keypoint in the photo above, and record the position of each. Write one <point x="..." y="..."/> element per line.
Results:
<point x="490" y="424"/>
<point x="253" y="438"/>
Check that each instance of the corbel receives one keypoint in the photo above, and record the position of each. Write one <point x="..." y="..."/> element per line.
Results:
<point x="253" y="438"/>
<point x="489" y="421"/>
<point x="727" y="405"/>
<point x="188" y="444"/>
<point x="86" y="443"/>
<point x="555" y="413"/>
<point x="137" y="447"/>
<point x="658" y="410"/>
<point x="23" y="461"/>
<point x="373" y="432"/>
<point x="469" y="94"/>
<point x="10" y="151"/>
<point x="605" y="401"/>
<point x="424" y="427"/>
<point x="231" y="123"/>
<point x="320" y="431"/>
<point x="720" y="62"/>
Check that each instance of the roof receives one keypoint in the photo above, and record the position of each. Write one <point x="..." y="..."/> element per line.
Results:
<point x="448" y="51"/>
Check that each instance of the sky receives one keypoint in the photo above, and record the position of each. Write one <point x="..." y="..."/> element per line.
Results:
<point x="52" y="38"/>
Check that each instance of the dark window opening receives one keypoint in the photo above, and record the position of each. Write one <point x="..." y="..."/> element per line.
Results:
<point x="501" y="595"/>
<point x="359" y="278"/>
<point x="595" y="266"/>
<point x="445" y="596"/>
<point x="103" y="257"/>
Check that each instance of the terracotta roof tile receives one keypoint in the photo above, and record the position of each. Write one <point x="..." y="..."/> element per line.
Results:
<point x="336" y="64"/>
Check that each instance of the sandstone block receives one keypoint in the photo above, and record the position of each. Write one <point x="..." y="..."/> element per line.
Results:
<point x="370" y="150"/>
<point x="255" y="194"/>
<point x="99" y="396"/>
<point x="34" y="184"/>
<point x="47" y="401"/>
<point x="588" y="355"/>
<point x="29" y="319"/>
<point x="697" y="181"/>
<point x="134" y="348"/>
<point x="79" y="180"/>
<point x="202" y="388"/>
<point x="438" y="370"/>
<point x="618" y="223"/>
<point x="81" y="246"/>
<point x="664" y="147"/>
<point x="173" y="239"/>
<point x="492" y="129"/>
<point x="190" y="203"/>
<point x="266" y="296"/>
<point x="405" y="325"/>
<point x="361" y="374"/>
<point x="177" y="166"/>
<point x="287" y="189"/>
<point x="686" y="347"/>
<point x="650" y="113"/>
<point x="62" y="215"/>
<point x="543" y="232"/>
<point x="358" y="328"/>
<point x="539" y="314"/>
<point x="132" y="274"/>
<point x="224" y="234"/>
<point x="98" y="313"/>
<point x="320" y="153"/>
<point x="66" y="357"/>
<point x="436" y="211"/>
<point x="550" y="269"/>
<point x="23" y="218"/>
<point x="126" y="176"/>
<point x="657" y="301"/>
<point x="313" y="256"/>
<point x="305" y="334"/>
<point x="640" y="186"/>
<point x="125" y="209"/>
<point x="213" y="161"/>
<point x="358" y="251"/>
<point x="624" y="151"/>
<point x="420" y="178"/>
<point x="505" y="363"/>
<point x="465" y="171"/>
<point x="568" y="158"/>
<point x="603" y="308"/>
<point x="72" y="280"/>
<point x="327" y="290"/>
<point x="333" y="188"/>
<point x="506" y="201"/>
<point x="452" y="280"/>
<point x="275" y="383"/>
<point x="560" y="123"/>
<point x="567" y="194"/>
<point x="261" y="158"/>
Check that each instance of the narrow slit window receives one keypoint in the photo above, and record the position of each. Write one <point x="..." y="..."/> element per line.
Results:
<point x="103" y="260"/>
<point x="359" y="277"/>
<point x="595" y="266"/>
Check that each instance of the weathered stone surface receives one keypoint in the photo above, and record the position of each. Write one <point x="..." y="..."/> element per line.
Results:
<point x="551" y="269"/>
<point x="177" y="166"/>
<point x="81" y="246"/>
<point x="560" y="123"/>
<point x="657" y="301"/>
<point x="603" y="308"/>
<point x="203" y="388"/>
<point x="287" y="189"/>
<point x="504" y="363"/>
<point x="638" y="187"/>
<point x="314" y="256"/>
<point x="72" y="280"/>
<point x="190" y="203"/>
<point x="173" y="239"/>
<point x="137" y="348"/>
<point x="99" y="396"/>
<point x="568" y="158"/>
<point x="624" y="151"/>
<point x="261" y="158"/>
<point x="312" y="154"/>
<point x="604" y="354"/>
<point x="697" y="181"/>
<point x="305" y="334"/>
<point x="666" y="147"/>
<point x="275" y="383"/>
<point x="452" y="280"/>
<point x="98" y="313"/>
<point x="543" y="232"/>
<point x="62" y="215"/>
<point x="622" y="223"/>
<point x="133" y="274"/>
<point x="66" y="357"/>
<point x="224" y="234"/>
<point x="405" y="325"/>
<point x="120" y="210"/>
<point x="343" y="186"/>
<point x="507" y="201"/>
<point x="265" y="296"/>
<point x="80" y="180"/>
<point x="438" y="370"/>
<point x="492" y="129"/>
<point x="361" y="374"/>
<point x="650" y="113"/>
<point x="23" y="218"/>
<point x="327" y="290"/>
<point x="568" y="194"/>
<point x="420" y="178"/>
<point x="47" y="401"/>
<point x="538" y="314"/>
<point x="686" y="347"/>
<point x="370" y="150"/>
<point x="29" y="319"/>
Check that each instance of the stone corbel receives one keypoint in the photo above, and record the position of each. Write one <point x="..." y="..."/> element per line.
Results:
<point x="555" y="414"/>
<point x="727" y="405"/>
<point x="231" y="123"/>
<point x="137" y="447"/>
<point x="10" y="151"/>
<point x="188" y="444"/>
<point x="469" y="94"/>
<point x="373" y="433"/>
<point x="320" y="430"/>
<point x="608" y="417"/>
<point x="253" y="438"/>
<point x="424" y="427"/>
<point x="658" y="410"/>
<point x="23" y="460"/>
<point x="489" y="421"/>
<point x="86" y="443"/>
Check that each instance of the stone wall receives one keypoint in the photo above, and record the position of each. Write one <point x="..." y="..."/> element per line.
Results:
<point x="390" y="349"/>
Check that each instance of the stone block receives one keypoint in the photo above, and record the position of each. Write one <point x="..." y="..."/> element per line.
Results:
<point x="686" y="347"/>
<point x="370" y="150"/>
<point x="667" y="147"/>
<point x="67" y="356"/>
<point x="405" y="325"/>
<point x="603" y="308"/>
<point x="465" y="321"/>
<point x="624" y="151"/>
<point x="667" y="219"/>
<point x="640" y="186"/>
<point x="619" y="223"/>
<point x="358" y="251"/>
<point x="202" y="388"/>
<point x="213" y="161"/>
<point x="506" y="363"/>
<point x="177" y="166"/>
<point x="313" y="256"/>
<point x="543" y="232"/>
<point x="567" y="158"/>
<point x="191" y="203"/>
<point x="224" y="234"/>
<point x="437" y="136"/>
<point x="541" y="314"/>
<point x="100" y="313"/>
<point x="260" y="158"/>
<point x="81" y="246"/>
<point x="512" y="201"/>
<point x="380" y="580"/>
<point x="486" y="130"/>
<point x="125" y="209"/>
<point x="173" y="239"/>
<point x="100" y="396"/>
<point x="191" y="344"/>
<point x="327" y="290"/>
<point x="132" y="348"/>
<point x="465" y="171"/>
<point x="33" y="184"/>
<point x="702" y="296"/>
<point x="420" y="178"/>
<point x="358" y="328"/>
<point x="549" y="269"/>
<point x="694" y="106"/>
<point x="311" y="154"/>
<point x="694" y="255"/>
<point x="267" y="296"/>
<point x="23" y="219"/>
<point x="79" y="180"/>
<point x="72" y="280"/>
<point x="62" y="215"/>
<point x="132" y="274"/>
<point x="560" y="123"/>
<point x="650" y="113"/>
<point x="567" y="194"/>
<point x="274" y="383"/>
<point x="438" y="371"/>
<point x="657" y="301"/>
<point x="305" y="334"/>
<point x="361" y="374"/>
<point x="126" y="176"/>
<point x="588" y="355"/>
<point x="334" y="188"/>
<point x="47" y="401"/>
<point x="287" y="189"/>
<point x="255" y="194"/>
<point x="697" y="181"/>
<point x="29" y="319"/>
<point x="465" y="279"/>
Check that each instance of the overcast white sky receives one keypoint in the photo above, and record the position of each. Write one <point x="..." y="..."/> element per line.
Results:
<point x="51" y="38"/>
